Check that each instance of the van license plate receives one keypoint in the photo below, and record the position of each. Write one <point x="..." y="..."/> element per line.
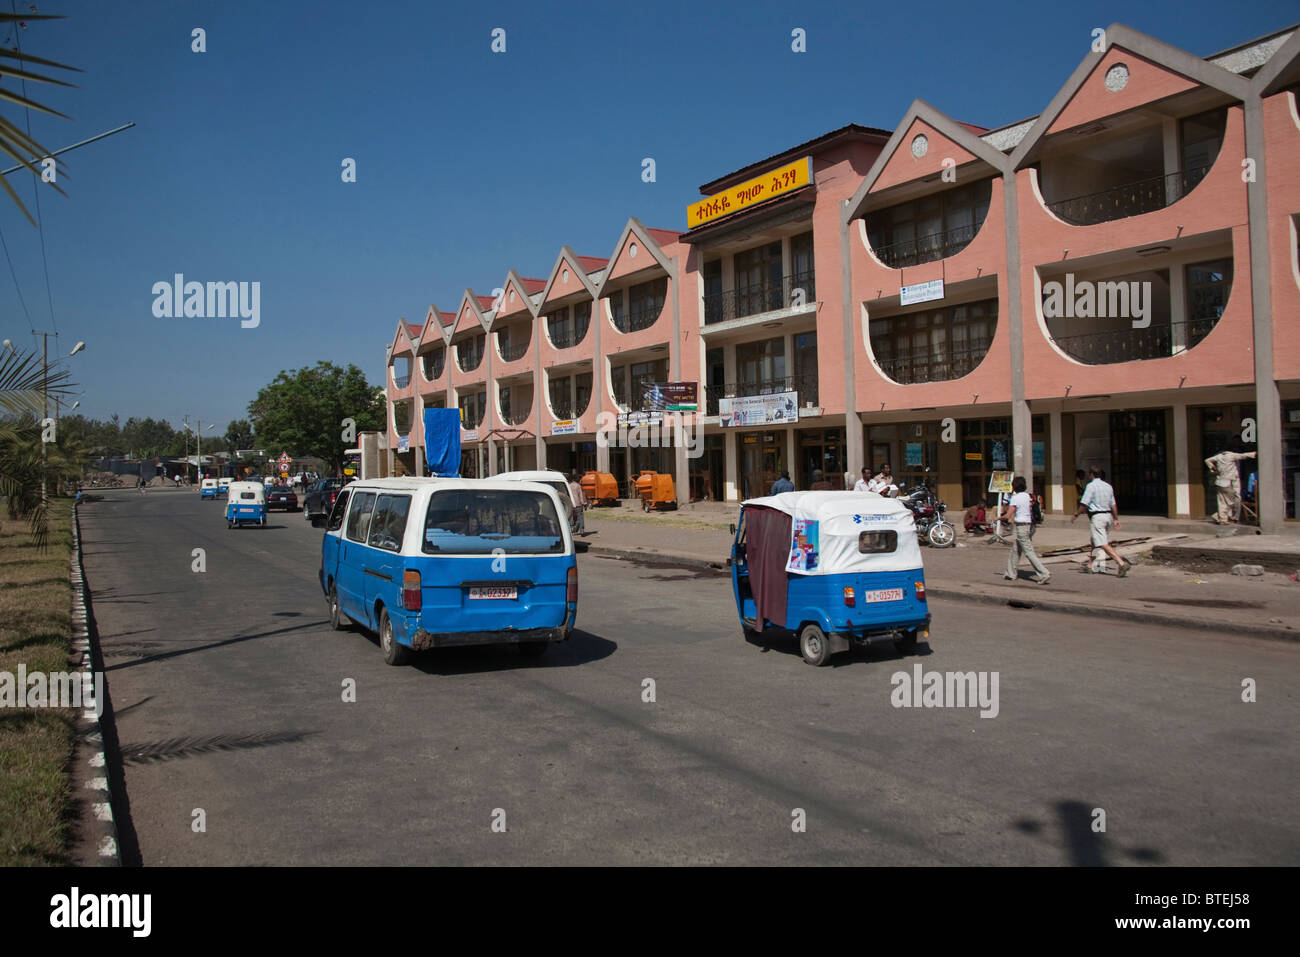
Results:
<point x="884" y="594"/>
<point x="493" y="591"/>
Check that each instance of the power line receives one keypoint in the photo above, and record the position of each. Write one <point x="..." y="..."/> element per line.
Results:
<point x="17" y="287"/>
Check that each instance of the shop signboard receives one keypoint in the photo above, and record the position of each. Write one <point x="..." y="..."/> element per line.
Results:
<point x="671" y="396"/>
<point x="636" y="419"/>
<point x="565" y="427"/>
<point x="750" y="410"/>
<point x="753" y="192"/>
<point x="921" y="292"/>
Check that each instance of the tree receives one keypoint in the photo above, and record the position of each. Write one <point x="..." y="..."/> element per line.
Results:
<point x="13" y="141"/>
<point x="24" y="387"/>
<point x="239" y="435"/>
<point x="303" y="412"/>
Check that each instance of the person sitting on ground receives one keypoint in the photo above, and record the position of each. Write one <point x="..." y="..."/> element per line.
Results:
<point x="783" y="484"/>
<point x="976" y="520"/>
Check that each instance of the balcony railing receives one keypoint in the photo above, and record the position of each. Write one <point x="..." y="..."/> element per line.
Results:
<point x="468" y="360"/>
<point x="925" y="249"/>
<point x="401" y="381"/>
<point x="513" y="350"/>
<point x="1131" y="199"/>
<point x="909" y="370"/>
<point x="568" y="337"/>
<point x="635" y="402"/>
<point x="566" y="408"/>
<point x="1132" y="345"/>
<point x="433" y="364"/>
<point x="759" y="298"/>
<point x="471" y="417"/>
<point x="517" y="416"/>
<point x="639" y="317"/>
<point x="805" y="385"/>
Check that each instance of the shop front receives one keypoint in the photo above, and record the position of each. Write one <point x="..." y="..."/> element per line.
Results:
<point x="761" y="459"/>
<point x="819" y="450"/>
<point x="707" y="471"/>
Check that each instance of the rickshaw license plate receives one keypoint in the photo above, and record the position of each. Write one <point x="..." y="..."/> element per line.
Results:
<point x="502" y="591"/>
<point x="884" y="594"/>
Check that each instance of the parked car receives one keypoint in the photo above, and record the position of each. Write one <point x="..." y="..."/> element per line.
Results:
<point x="318" y="501"/>
<point x="435" y="562"/>
<point x="281" y="496"/>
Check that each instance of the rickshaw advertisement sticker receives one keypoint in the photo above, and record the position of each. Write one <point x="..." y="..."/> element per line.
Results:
<point x="803" y="550"/>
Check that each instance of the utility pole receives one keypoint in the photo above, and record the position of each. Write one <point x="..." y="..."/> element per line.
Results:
<point x="45" y="408"/>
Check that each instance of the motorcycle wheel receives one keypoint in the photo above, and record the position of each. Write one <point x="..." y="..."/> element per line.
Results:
<point x="941" y="535"/>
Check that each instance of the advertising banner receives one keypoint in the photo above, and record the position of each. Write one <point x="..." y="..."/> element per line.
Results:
<point x="671" y="396"/>
<point x="750" y="410"/>
<point x="565" y="427"/>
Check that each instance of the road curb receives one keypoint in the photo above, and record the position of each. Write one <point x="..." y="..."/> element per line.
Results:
<point x="101" y="827"/>
<point x="1122" y="614"/>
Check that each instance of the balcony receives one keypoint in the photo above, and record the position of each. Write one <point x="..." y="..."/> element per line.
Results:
<point x="638" y="318"/>
<point x="910" y="370"/>
<point x="514" y="350"/>
<point x="471" y="416"/>
<point x="468" y="356"/>
<point x="433" y="363"/>
<point x="1131" y="199"/>
<point x="401" y="381"/>
<point x="517" y="414"/>
<point x="759" y="298"/>
<point x="1133" y="345"/>
<point x="568" y="337"/>
<point x="805" y="385"/>
<point x="925" y="249"/>
<point x="566" y="408"/>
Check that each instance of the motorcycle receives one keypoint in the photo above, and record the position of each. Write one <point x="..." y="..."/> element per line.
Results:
<point x="928" y="512"/>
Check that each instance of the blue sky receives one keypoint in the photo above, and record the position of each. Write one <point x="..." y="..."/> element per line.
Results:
<point x="232" y="172"/>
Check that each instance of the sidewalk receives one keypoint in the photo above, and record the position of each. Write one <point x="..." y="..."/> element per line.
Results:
<point x="1156" y="591"/>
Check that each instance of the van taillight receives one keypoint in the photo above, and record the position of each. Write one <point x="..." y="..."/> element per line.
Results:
<point x="848" y="596"/>
<point x="571" y="585"/>
<point x="920" y="590"/>
<point x="411" y="590"/>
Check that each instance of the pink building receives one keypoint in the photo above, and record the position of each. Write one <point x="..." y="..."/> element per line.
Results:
<point x="1112" y="283"/>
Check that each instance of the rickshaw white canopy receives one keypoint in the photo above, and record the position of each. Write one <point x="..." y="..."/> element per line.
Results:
<point x="827" y="532"/>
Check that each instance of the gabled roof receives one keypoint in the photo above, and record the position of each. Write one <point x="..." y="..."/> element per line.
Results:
<point x="472" y="307"/>
<point x="959" y="133"/>
<point x="1282" y="69"/>
<point x="401" y="335"/>
<point x="648" y="243"/>
<point x="1148" y="48"/>
<point x="523" y="291"/>
<point x="579" y="267"/>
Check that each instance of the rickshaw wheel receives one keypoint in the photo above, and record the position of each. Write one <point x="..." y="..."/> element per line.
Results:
<point x="907" y="644"/>
<point x="813" y="645"/>
<point x="394" y="653"/>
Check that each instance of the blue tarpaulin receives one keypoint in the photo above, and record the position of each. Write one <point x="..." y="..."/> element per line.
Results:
<point x="442" y="441"/>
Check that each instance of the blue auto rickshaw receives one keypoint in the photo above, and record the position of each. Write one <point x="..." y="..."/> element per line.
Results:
<point x="834" y="568"/>
<point x="246" y="504"/>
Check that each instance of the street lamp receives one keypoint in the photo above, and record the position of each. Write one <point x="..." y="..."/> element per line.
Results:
<point x="77" y="348"/>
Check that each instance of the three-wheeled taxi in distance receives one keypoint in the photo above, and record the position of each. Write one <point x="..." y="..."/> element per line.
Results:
<point x="223" y="486"/>
<point x="208" y="489"/>
<point x="432" y="562"/>
<point x="245" y="504"/>
<point x="832" y="567"/>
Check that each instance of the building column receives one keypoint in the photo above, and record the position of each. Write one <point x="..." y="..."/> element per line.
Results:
<point x="731" y="480"/>
<point x="1055" y="465"/>
<point x="790" y="447"/>
<point x="1177" y="309"/>
<point x="1172" y="158"/>
<point x="419" y="459"/>
<point x="854" y="453"/>
<point x="1182" y="472"/>
<point x="1268" y="407"/>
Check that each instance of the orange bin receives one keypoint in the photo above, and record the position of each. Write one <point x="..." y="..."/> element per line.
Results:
<point x="656" y="490"/>
<point x="600" y="488"/>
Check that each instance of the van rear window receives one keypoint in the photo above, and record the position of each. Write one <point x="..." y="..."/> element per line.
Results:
<point x="478" y="521"/>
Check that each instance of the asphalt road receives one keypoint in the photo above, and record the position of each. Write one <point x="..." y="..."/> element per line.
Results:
<point x="227" y="693"/>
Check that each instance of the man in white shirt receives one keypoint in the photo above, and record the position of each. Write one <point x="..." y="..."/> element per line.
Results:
<point x="864" y="484"/>
<point x="1099" y="502"/>
<point x="1020" y="511"/>
<point x="1227" y="481"/>
<point x="579" y="498"/>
